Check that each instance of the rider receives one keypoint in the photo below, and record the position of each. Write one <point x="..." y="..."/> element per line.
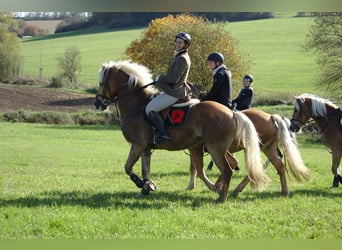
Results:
<point x="244" y="99"/>
<point x="173" y="85"/>
<point x="221" y="91"/>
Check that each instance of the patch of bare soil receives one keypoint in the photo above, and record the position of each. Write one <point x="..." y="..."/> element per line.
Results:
<point x="30" y="98"/>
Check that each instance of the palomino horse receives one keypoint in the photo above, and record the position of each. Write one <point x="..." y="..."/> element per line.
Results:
<point x="209" y="123"/>
<point x="328" y="119"/>
<point x="272" y="129"/>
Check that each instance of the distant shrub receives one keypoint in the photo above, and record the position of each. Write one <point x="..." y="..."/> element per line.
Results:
<point x="46" y="117"/>
<point x="56" y="82"/>
<point x="26" y="80"/>
<point x="69" y="65"/>
<point x="60" y="118"/>
<point x="271" y="100"/>
<point x="155" y="48"/>
<point x="32" y="30"/>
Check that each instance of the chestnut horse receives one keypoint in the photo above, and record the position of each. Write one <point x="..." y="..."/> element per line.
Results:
<point x="209" y="123"/>
<point x="328" y="118"/>
<point x="272" y="129"/>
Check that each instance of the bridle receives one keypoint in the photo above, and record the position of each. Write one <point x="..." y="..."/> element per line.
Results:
<point x="300" y="111"/>
<point x="299" y="119"/>
<point x="104" y="102"/>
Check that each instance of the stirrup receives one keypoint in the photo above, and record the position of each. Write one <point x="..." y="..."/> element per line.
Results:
<point x="161" y="138"/>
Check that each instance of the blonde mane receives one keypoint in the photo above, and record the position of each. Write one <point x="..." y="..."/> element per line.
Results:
<point x="318" y="104"/>
<point x="135" y="71"/>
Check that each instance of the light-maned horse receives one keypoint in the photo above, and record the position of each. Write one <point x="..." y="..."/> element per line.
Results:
<point x="328" y="118"/>
<point x="273" y="131"/>
<point x="209" y="123"/>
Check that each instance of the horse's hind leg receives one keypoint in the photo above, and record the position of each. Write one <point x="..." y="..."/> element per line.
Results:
<point x="196" y="167"/>
<point x="222" y="183"/>
<point x="238" y="190"/>
<point x="336" y="159"/>
<point x="274" y="155"/>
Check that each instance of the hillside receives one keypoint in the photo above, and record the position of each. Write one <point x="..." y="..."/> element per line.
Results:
<point x="273" y="48"/>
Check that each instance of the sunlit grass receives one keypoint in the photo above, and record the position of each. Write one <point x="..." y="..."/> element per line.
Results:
<point x="68" y="182"/>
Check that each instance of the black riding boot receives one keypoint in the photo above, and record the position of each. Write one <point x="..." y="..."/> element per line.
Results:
<point x="158" y="123"/>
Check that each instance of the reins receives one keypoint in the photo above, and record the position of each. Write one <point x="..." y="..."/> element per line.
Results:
<point x="116" y="99"/>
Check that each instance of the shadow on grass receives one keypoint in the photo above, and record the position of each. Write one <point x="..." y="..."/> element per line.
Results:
<point x="157" y="200"/>
<point x="324" y="192"/>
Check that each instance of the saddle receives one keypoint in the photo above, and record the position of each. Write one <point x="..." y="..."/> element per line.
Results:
<point x="177" y="113"/>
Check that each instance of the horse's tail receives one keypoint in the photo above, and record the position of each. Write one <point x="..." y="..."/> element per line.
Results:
<point x="292" y="156"/>
<point x="247" y="136"/>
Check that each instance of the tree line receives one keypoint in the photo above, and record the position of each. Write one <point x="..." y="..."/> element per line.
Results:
<point x="133" y="19"/>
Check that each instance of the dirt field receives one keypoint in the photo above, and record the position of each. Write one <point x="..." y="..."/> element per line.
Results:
<point x="18" y="97"/>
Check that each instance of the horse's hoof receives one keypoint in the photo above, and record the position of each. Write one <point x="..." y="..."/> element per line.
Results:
<point x="149" y="186"/>
<point x="212" y="188"/>
<point x="336" y="181"/>
<point x="340" y="178"/>
<point x="236" y="193"/>
<point x="220" y="200"/>
<point x="284" y="194"/>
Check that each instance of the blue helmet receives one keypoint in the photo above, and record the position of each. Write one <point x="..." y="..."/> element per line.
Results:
<point x="185" y="36"/>
<point x="216" y="56"/>
<point x="249" y="77"/>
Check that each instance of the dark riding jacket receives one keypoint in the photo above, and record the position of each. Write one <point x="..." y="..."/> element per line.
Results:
<point x="244" y="99"/>
<point x="174" y="83"/>
<point x="221" y="91"/>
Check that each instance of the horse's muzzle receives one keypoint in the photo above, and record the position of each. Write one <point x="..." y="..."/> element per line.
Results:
<point x="101" y="102"/>
<point x="294" y="127"/>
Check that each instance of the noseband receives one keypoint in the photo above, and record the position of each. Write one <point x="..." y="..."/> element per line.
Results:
<point x="299" y="119"/>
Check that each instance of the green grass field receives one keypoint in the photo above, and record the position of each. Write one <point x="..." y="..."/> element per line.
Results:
<point x="68" y="182"/>
<point x="273" y="46"/>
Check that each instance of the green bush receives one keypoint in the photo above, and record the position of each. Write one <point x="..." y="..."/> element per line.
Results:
<point x="56" y="82"/>
<point x="60" y="118"/>
<point x="155" y="48"/>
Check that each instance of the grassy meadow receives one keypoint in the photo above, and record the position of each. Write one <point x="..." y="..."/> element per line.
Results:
<point x="68" y="182"/>
<point x="273" y="47"/>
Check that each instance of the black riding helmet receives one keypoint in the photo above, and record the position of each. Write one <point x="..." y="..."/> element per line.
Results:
<point x="249" y="77"/>
<point x="216" y="56"/>
<point x="185" y="36"/>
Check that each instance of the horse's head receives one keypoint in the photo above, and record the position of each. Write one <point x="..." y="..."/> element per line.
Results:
<point x="107" y="90"/>
<point x="301" y="113"/>
<point x="117" y="79"/>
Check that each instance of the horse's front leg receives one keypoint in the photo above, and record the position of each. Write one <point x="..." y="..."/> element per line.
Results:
<point x="336" y="159"/>
<point x="134" y="154"/>
<point x="145" y="170"/>
<point x="196" y="168"/>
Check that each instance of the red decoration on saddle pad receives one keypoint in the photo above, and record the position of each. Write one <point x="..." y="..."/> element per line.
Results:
<point x="177" y="116"/>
